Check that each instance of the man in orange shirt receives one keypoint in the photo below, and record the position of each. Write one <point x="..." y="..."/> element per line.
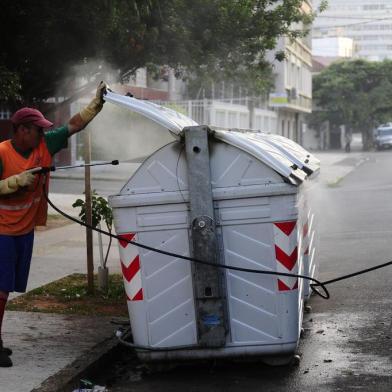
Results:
<point x="22" y="204"/>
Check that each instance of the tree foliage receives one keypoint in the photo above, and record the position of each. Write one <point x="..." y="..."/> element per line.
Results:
<point x="220" y="39"/>
<point x="356" y="93"/>
<point x="10" y="86"/>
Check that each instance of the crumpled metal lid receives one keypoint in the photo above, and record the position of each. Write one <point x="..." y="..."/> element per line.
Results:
<point x="277" y="152"/>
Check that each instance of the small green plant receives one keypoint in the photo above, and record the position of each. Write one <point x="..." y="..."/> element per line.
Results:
<point x="101" y="211"/>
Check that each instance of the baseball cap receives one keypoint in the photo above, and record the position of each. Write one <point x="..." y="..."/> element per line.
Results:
<point x="32" y="116"/>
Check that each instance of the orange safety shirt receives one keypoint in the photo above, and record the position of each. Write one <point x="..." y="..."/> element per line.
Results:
<point x="26" y="208"/>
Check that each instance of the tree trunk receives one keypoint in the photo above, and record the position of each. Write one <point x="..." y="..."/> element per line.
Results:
<point x="367" y="139"/>
<point x="88" y="201"/>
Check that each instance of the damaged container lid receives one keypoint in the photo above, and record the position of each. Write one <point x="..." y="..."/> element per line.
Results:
<point x="174" y="121"/>
<point x="301" y="157"/>
<point x="264" y="152"/>
<point x="281" y="154"/>
<point x="295" y="152"/>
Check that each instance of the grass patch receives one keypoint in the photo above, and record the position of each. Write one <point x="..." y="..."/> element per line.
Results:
<point x="69" y="296"/>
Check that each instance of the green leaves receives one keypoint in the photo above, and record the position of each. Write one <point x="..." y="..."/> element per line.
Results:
<point x="351" y="91"/>
<point x="221" y="39"/>
<point x="356" y="93"/>
<point x="101" y="211"/>
<point x="10" y="86"/>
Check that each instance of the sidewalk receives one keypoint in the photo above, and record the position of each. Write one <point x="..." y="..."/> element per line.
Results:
<point x="44" y="344"/>
<point x="336" y="165"/>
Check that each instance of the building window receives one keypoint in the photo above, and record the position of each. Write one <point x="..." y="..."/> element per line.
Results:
<point x="5" y="114"/>
<point x="220" y="118"/>
<point x="232" y="118"/>
<point x="244" y="121"/>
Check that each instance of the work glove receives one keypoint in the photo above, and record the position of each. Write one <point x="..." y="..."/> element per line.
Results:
<point x="95" y="106"/>
<point x="13" y="183"/>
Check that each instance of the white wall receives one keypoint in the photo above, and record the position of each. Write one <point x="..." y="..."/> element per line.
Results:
<point x="309" y="139"/>
<point x="333" y="47"/>
<point x="227" y="115"/>
<point x="367" y="22"/>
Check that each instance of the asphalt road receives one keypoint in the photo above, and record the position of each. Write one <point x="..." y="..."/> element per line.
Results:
<point x="347" y="344"/>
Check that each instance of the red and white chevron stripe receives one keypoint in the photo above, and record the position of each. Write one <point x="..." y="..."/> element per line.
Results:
<point x="286" y="253"/>
<point x="307" y="231"/>
<point x="305" y="237"/>
<point x="130" y="265"/>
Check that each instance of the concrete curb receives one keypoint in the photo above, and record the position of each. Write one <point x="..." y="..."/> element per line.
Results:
<point x="92" y="362"/>
<point x="337" y="180"/>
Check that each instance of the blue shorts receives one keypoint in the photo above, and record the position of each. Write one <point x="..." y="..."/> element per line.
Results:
<point x="15" y="258"/>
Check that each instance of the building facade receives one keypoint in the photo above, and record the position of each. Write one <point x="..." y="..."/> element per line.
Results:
<point x="341" y="47"/>
<point x="292" y="97"/>
<point x="367" y="22"/>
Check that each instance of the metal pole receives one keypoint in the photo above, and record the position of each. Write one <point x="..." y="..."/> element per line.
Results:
<point x="100" y="245"/>
<point x="209" y="301"/>
<point x="88" y="199"/>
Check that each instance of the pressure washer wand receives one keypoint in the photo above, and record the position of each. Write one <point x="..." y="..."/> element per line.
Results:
<point x="115" y="162"/>
<point x="40" y="170"/>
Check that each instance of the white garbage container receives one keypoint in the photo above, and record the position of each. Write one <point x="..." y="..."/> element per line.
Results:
<point x="311" y="165"/>
<point x="260" y="216"/>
